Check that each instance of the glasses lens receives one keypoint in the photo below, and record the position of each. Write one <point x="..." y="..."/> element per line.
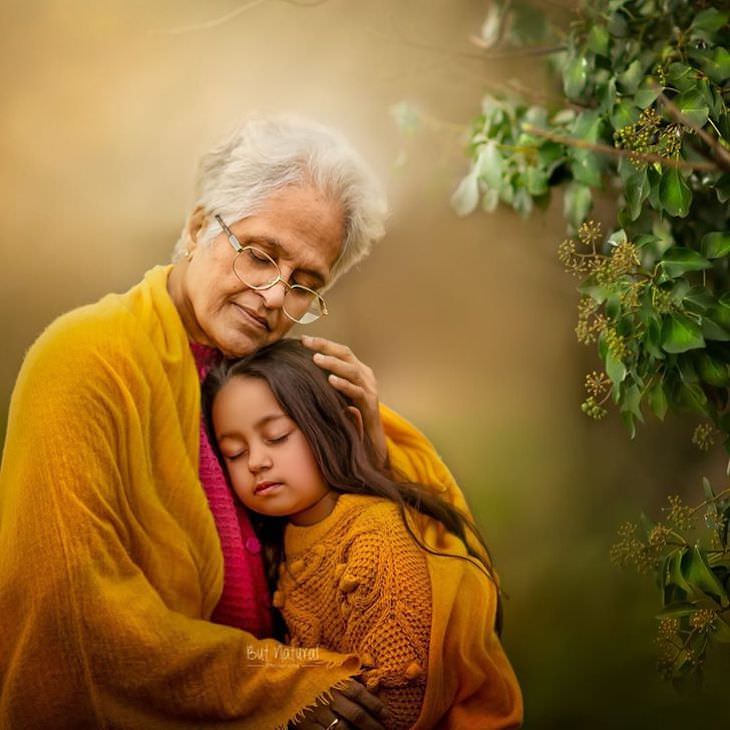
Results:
<point x="302" y="305"/>
<point x="255" y="268"/>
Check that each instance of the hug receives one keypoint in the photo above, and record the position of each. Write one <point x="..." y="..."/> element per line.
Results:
<point x="291" y="553"/>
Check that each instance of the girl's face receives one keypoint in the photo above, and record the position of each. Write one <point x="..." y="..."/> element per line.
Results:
<point x="271" y="467"/>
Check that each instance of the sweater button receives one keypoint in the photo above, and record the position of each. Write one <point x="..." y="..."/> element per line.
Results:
<point x="253" y="545"/>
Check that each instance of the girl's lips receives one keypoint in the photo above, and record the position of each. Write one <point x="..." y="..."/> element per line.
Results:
<point x="266" y="487"/>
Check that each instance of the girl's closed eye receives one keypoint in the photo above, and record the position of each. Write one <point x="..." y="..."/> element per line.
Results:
<point x="279" y="439"/>
<point x="235" y="455"/>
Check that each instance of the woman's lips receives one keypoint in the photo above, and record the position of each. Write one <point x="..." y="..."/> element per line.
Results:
<point x="252" y="318"/>
<point x="266" y="487"/>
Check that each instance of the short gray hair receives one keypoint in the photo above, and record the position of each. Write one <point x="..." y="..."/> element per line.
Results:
<point x="265" y="155"/>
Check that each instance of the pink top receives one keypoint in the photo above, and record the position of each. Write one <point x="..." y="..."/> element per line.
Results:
<point x="245" y="601"/>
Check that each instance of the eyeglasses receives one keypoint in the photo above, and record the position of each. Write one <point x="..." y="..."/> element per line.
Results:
<point x="257" y="270"/>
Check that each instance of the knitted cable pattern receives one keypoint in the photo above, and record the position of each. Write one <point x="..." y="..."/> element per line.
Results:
<point x="357" y="582"/>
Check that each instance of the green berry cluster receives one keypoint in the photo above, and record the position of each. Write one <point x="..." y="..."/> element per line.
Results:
<point x="616" y="344"/>
<point x="630" y="551"/>
<point x="597" y="384"/>
<point x="592" y="408"/>
<point x="624" y="259"/>
<point x="661" y="300"/>
<point x="704" y="620"/>
<point x="680" y="515"/>
<point x="640" y="137"/>
<point x="704" y="436"/>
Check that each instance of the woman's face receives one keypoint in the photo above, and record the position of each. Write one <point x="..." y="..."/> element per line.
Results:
<point x="269" y="461"/>
<point x="299" y="228"/>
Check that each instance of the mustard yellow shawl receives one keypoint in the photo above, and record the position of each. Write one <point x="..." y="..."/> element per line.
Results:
<point x="110" y="563"/>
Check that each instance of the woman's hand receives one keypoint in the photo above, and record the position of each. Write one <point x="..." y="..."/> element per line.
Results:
<point x="352" y="707"/>
<point x="356" y="380"/>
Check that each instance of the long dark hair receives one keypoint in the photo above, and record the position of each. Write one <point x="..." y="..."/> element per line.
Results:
<point x="346" y="459"/>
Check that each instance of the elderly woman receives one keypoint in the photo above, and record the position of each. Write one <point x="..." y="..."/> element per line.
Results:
<point x="132" y="587"/>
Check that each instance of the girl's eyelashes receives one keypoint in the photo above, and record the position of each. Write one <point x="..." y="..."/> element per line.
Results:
<point x="279" y="439"/>
<point x="273" y="440"/>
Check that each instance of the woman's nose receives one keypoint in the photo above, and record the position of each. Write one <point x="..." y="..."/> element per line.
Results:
<point x="274" y="296"/>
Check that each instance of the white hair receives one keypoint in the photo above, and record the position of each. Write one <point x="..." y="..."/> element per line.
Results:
<point x="265" y="155"/>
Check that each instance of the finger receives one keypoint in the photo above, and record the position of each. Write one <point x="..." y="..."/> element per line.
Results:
<point x="353" y="713"/>
<point x="328" y="347"/>
<point x="353" y="391"/>
<point x="339" y="367"/>
<point x="357" y="693"/>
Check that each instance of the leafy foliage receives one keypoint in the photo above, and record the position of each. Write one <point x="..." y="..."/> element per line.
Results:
<point x="642" y="111"/>
<point x="645" y="86"/>
<point x="689" y="554"/>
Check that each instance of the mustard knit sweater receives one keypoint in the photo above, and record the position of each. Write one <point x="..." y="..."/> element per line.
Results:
<point x="357" y="582"/>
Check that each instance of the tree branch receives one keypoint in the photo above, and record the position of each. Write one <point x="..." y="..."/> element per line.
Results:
<point x="214" y="22"/>
<point x="617" y="152"/>
<point x="717" y="152"/>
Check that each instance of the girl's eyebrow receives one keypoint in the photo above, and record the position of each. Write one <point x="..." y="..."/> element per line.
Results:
<point x="271" y="417"/>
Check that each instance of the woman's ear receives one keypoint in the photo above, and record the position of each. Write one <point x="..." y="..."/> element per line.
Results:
<point x="195" y="223"/>
<point x="355" y="416"/>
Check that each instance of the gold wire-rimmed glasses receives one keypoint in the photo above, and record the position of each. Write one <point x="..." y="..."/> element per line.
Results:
<point x="257" y="270"/>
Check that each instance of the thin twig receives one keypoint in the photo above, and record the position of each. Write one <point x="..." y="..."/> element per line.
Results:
<point x="617" y="152"/>
<point x="512" y="53"/>
<point x="717" y="152"/>
<point x="215" y="22"/>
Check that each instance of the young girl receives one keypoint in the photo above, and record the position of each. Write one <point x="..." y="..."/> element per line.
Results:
<point x="362" y="560"/>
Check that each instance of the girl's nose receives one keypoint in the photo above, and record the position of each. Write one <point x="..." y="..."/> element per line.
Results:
<point x="258" y="460"/>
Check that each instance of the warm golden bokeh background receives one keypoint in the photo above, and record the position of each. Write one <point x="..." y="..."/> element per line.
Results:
<point x="467" y="322"/>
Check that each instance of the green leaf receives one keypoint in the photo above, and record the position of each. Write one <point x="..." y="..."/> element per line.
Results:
<point x="631" y="77"/>
<point x="674" y="193"/>
<point x="576" y="203"/>
<point x="490" y="200"/>
<point x="692" y="105"/>
<point x="677" y="261"/>
<point x="677" y="610"/>
<point x="715" y="245"/>
<point x="646" y="97"/>
<point x="717" y="67"/>
<point x="537" y="180"/>
<point x="681" y="76"/>
<point x="680" y="333"/>
<point x="615" y="369"/>
<point x="699" y="575"/>
<point x="624" y="114"/>
<point x="636" y="191"/>
<point x="586" y="167"/>
<point x="709" y="20"/>
<point x="575" y="77"/>
<point x="489" y="165"/>
<point x="673" y="570"/>
<point x="658" y="401"/>
<point x="598" y="40"/>
<point x="713" y="331"/>
<point x="700" y="297"/>
<point x="707" y="488"/>
<point x="712" y="371"/>
<point x="631" y="402"/>
<point x="466" y="195"/>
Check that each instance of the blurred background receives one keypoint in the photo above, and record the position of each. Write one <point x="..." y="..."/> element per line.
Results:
<point x="468" y="323"/>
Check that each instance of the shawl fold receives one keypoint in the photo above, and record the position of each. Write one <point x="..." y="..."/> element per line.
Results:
<point x="110" y="562"/>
